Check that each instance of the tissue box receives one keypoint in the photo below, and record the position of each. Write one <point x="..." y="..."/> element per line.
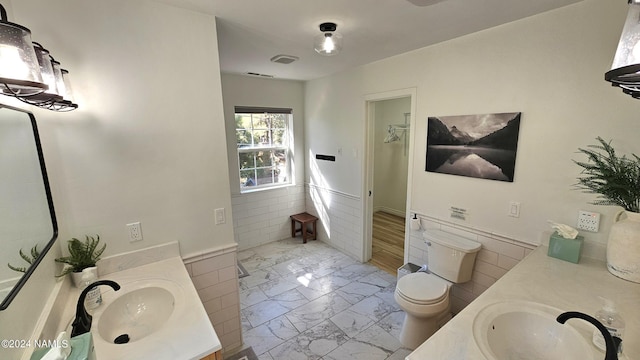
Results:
<point x="82" y="347"/>
<point x="565" y="249"/>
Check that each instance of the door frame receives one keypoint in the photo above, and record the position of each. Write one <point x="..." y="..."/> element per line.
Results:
<point x="367" y="164"/>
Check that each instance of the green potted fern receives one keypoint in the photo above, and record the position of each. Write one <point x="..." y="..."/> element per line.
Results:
<point x="82" y="255"/>
<point x="616" y="179"/>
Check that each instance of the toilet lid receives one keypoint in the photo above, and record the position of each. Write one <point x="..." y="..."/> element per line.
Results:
<point x="422" y="288"/>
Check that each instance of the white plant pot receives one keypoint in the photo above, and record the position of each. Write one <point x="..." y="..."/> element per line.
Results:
<point x="623" y="247"/>
<point x="77" y="277"/>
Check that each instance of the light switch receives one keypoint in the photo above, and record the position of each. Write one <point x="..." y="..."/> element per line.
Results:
<point x="514" y="209"/>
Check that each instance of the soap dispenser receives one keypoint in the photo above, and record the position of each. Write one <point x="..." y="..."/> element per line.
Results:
<point x="94" y="296"/>
<point x="610" y="318"/>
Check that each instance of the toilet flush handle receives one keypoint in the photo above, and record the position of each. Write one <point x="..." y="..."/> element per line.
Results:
<point x="427" y="242"/>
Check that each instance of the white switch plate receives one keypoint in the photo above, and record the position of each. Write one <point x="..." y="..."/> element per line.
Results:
<point x="135" y="231"/>
<point x="588" y="221"/>
<point x="514" y="209"/>
<point x="220" y="216"/>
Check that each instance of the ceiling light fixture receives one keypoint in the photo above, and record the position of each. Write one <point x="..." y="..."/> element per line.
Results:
<point x="625" y="71"/>
<point x="329" y="42"/>
<point x="28" y="72"/>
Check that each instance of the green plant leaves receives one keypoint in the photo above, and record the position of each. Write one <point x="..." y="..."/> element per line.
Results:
<point x="616" y="179"/>
<point x="35" y="253"/>
<point x="82" y="254"/>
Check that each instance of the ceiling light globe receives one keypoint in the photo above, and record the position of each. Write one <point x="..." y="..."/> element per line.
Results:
<point x="328" y="44"/>
<point x="19" y="69"/>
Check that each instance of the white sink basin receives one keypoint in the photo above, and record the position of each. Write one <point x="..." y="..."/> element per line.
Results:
<point x="135" y="314"/>
<point x="157" y="306"/>
<point x="525" y="330"/>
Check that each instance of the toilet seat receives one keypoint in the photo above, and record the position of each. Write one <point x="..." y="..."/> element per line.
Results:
<point x="422" y="289"/>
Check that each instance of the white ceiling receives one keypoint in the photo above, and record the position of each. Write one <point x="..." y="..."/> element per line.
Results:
<point x="251" y="32"/>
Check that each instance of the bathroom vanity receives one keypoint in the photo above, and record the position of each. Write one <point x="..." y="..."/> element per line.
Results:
<point x="157" y="310"/>
<point x="549" y="282"/>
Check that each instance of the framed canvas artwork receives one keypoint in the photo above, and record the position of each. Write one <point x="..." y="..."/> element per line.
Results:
<point x="481" y="146"/>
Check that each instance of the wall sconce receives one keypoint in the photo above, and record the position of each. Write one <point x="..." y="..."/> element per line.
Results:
<point x="28" y="72"/>
<point x="329" y="42"/>
<point x="19" y="71"/>
<point x="625" y="71"/>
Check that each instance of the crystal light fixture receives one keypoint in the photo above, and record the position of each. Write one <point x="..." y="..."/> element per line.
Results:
<point x="329" y="42"/>
<point x="625" y="71"/>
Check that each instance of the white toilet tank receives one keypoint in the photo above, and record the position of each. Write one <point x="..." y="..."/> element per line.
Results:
<point x="451" y="256"/>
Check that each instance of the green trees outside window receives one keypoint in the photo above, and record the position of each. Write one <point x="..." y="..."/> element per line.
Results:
<point x="263" y="149"/>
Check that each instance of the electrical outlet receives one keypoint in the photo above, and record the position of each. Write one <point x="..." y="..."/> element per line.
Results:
<point x="588" y="221"/>
<point x="135" y="232"/>
<point x="220" y="216"/>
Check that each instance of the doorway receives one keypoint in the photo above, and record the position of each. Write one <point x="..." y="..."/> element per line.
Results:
<point x="388" y="155"/>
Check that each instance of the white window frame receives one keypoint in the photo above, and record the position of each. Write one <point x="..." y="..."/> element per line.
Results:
<point x="284" y="171"/>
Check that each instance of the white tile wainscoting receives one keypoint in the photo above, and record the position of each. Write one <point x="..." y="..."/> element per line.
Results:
<point x="340" y="217"/>
<point x="262" y="217"/>
<point x="498" y="255"/>
<point x="214" y="274"/>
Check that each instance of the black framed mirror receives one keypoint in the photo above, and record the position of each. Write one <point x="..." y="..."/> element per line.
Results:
<point x="27" y="215"/>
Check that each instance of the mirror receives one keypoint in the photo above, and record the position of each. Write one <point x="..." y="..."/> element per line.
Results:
<point x="27" y="217"/>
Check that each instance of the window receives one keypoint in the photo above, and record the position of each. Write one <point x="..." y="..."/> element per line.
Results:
<point x="263" y="138"/>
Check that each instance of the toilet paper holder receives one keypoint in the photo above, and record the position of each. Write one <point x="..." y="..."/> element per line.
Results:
<point x="414" y="223"/>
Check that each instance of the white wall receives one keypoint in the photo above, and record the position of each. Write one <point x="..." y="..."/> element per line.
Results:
<point x="550" y="67"/>
<point x="260" y="217"/>
<point x="390" y="169"/>
<point x="334" y="125"/>
<point x="147" y="143"/>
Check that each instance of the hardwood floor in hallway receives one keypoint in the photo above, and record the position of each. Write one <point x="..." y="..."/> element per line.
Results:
<point x="388" y="242"/>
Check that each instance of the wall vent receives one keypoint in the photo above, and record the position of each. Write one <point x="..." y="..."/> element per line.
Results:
<point x="284" y="59"/>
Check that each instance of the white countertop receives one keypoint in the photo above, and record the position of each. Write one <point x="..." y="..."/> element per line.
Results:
<point x="188" y="334"/>
<point x="543" y="279"/>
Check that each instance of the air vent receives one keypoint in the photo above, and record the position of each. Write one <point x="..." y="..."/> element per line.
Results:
<point x="260" y="75"/>
<point x="284" y="59"/>
<point x="424" y="2"/>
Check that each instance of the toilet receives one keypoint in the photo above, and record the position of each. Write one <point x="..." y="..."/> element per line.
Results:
<point x="424" y="296"/>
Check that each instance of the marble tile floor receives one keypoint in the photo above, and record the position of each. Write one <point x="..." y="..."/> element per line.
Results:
<point x="310" y="301"/>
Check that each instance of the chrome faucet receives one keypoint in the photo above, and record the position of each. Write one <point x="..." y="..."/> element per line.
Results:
<point x="82" y="323"/>
<point x="612" y="342"/>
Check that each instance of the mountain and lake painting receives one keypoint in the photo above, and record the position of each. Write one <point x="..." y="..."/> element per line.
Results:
<point x="481" y="146"/>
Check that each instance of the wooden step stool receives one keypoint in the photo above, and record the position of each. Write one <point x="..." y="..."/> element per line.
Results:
<point x="304" y="219"/>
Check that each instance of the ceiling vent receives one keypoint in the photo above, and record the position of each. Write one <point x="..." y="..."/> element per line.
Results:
<point x="424" y="2"/>
<point x="259" y="75"/>
<point x="284" y="59"/>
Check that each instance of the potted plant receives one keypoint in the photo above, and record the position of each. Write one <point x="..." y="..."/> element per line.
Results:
<point x="82" y="255"/>
<point x="616" y="179"/>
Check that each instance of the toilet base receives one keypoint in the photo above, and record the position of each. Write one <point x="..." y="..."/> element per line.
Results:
<point x="416" y="330"/>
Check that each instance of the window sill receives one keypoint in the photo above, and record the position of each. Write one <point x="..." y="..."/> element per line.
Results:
<point x="249" y="191"/>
